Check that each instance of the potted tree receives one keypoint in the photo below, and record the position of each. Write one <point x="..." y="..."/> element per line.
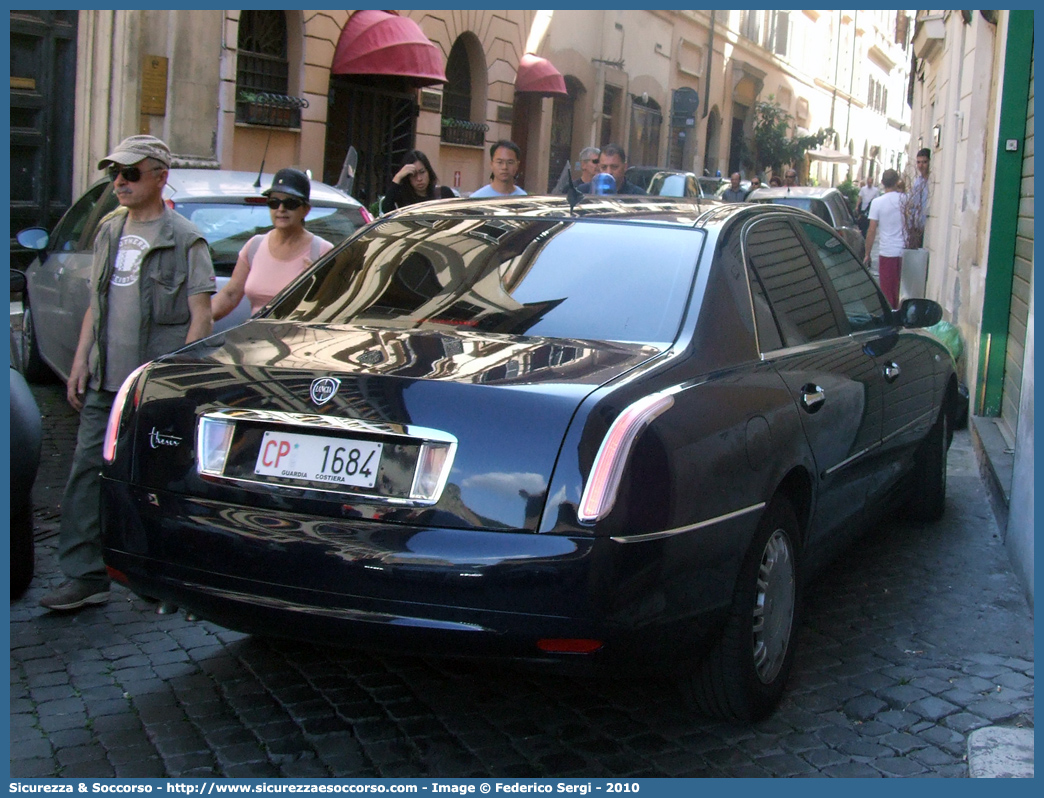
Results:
<point x="914" y="205"/>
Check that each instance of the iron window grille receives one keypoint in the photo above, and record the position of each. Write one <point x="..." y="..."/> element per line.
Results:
<point x="460" y="131"/>
<point x="266" y="108"/>
<point x="262" y="71"/>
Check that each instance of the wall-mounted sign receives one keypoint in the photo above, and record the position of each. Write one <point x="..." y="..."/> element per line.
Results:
<point x="154" y="86"/>
<point x="431" y="100"/>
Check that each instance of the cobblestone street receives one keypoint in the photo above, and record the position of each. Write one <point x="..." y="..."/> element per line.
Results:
<point x="917" y="636"/>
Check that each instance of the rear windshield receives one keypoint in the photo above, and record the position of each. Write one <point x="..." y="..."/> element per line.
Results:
<point x="668" y="186"/>
<point x="228" y="226"/>
<point x="814" y="206"/>
<point x="586" y="280"/>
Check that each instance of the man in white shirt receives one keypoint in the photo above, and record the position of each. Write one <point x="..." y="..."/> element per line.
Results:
<point x="867" y="194"/>
<point x="886" y="222"/>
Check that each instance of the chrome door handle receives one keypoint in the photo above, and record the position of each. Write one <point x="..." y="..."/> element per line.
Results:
<point x="812" y="398"/>
<point x="892" y="372"/>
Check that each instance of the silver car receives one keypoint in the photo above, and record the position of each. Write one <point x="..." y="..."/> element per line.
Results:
<point x="226" y="206"/>
<point x="827" y="203"/>
<point x="679" y="183"/>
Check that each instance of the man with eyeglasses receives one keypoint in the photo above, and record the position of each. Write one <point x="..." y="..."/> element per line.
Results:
<point x="505" y="158"/>
<point x="588" y="169"/>
<point x="790" y="178"/>
<point x="151" y="281"/>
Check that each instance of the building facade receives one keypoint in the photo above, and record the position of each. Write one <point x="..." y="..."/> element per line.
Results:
<point x="677" y="89"/>
<point x="973" y="108"/>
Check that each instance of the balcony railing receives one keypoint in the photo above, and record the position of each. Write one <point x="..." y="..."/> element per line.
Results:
<point x="460" y="131"/>
<point x="271" y="110"/>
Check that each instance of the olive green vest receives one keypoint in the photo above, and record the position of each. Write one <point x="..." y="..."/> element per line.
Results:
<point x="165" y="315"/>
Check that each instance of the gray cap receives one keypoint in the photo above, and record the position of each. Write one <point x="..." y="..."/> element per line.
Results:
<point x="134" y="148"/>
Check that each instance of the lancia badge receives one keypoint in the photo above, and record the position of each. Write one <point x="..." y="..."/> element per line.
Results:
<point x="324" y="389"/>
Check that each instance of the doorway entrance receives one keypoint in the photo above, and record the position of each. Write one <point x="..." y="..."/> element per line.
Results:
<point x="43" y="88"/>
<point x="380" y="122"/>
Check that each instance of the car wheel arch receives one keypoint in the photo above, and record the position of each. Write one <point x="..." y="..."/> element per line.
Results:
<point x="796" y="486"/>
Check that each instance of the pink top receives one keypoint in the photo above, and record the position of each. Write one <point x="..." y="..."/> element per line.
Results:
<point x="268" y="275"/>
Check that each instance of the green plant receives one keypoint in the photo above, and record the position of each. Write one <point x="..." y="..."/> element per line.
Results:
<point x="773" y="146"/>
<point x="851" y="192"/>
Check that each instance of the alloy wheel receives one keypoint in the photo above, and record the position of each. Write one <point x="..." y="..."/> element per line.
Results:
<point x="774" y="606"/>
<point x="26" y="339"/>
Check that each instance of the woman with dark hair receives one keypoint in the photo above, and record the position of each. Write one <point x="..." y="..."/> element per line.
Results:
<point x="416" y="181"/>
<point x="268" y="263"/>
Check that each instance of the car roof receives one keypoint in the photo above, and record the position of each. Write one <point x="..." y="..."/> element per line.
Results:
<point x="693" y="212"/>
<point x="200" y="184"/>
<point x="810" y="192"/>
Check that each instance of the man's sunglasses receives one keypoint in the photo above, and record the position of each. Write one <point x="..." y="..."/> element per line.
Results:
<point x="289" y="203"/>
<point x="132" y="174"/>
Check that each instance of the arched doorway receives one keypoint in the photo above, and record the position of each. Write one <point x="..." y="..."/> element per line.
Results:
<point x="710" y="158"/>
<point x="643" y="147"/>
<point x="380" y="61"/>
<point x="378" y="117"/>
<point x="535" y="79"/>
<point x="563" y="116"/>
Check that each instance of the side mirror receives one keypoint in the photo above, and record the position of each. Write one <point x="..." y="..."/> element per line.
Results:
<point x="17" y="282"/>
<point x="914" y="313"/>
<point x="35" y="238"/>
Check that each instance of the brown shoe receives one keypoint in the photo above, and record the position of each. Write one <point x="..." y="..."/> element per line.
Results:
<point x="74" y="595"/>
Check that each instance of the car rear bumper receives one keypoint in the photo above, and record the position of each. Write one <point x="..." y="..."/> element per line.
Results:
<point x="423" y="590"/>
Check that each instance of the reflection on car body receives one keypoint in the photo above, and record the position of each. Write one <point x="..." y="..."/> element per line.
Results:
<point x="619" y="434"/>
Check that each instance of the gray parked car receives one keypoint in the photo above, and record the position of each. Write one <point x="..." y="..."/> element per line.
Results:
<point x="227" y="208"/>
<point x="827" y="203"/>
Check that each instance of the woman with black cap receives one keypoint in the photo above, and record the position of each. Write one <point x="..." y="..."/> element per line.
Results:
<point x="267" y="263"/>
<point x="415" y="182"/>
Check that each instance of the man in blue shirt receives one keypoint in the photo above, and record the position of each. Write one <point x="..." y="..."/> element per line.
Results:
<point x="505" y="158"/>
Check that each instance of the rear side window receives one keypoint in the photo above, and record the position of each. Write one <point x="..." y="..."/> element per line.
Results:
<point x="228" y="226"/>
<point x="584" y="280"/>
<point x="814" y="206"/>
<point x="862" y="302"/>
<point x="839" y="207"/>
<point x="789" y="280"/>
<point x="67" y="234"/>
<point x="669" y="186"/>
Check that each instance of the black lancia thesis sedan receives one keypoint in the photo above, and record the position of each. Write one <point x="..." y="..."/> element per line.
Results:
<point x="623" y="433"/>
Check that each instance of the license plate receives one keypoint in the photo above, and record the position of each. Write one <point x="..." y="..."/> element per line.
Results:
<point x="316" y="458"/>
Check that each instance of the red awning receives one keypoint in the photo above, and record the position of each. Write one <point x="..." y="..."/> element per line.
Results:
<point x="379" y="43"/>
<point x="538" y="75"/>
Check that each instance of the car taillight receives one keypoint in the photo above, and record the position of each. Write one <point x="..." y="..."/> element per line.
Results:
<point x="366" y="215"/>
<point x="604" y="480"/>
<point x="112" y="430"/>
<point x="213" y="439"/>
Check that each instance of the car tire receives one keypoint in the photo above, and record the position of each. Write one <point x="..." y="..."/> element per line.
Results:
<point x="30" y="363"/>
<point x="743" y="676"/>
<point x="927" y="481"/>
<point x="23" y="555"/>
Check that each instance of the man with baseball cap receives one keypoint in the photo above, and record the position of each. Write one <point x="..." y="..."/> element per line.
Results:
<point x="151" y="281"/>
